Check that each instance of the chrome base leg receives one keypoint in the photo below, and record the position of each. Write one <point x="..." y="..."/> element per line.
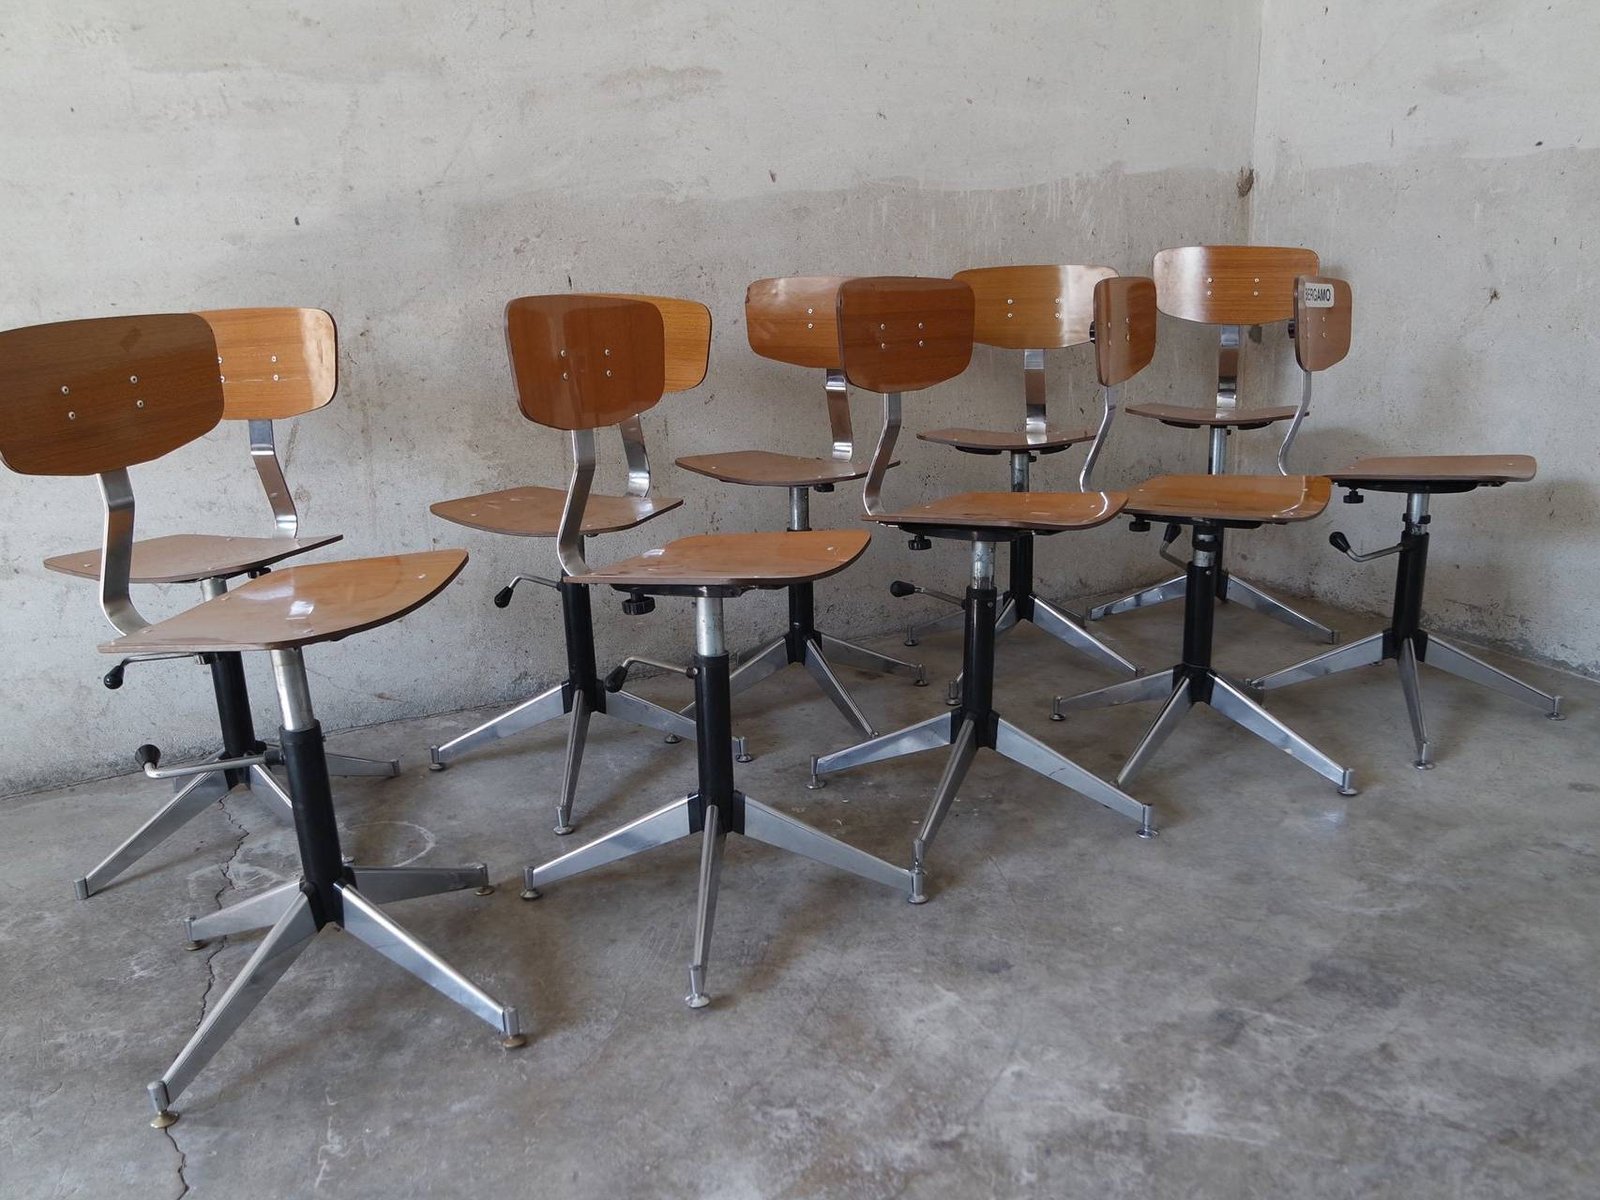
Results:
<point x="646" y="714"/>
<point x="1243" y="592"/>
<point x="1452" y="658"/>
<point x="369" y="924"/>
<point x="822" y="671"/>
<point x="924" y="735"/>
<point x="577" y="735"/>
<point x="773" y="828"/>
<point x="1412" y="687"/>
<point x="1156" y="593"/>
<point x="963" y="750"/>
<point x="1160" y="729"/>
<point x="276" y="953"/>
<point x="955" y="620"/>
<point x="385" y="885"/>
<point x="349" y="764"/>
<point x="546" y="706"/>
<point x="666" y="824"/>
<point x="1063" y="628"/>
<point x="711" y="846"/>
<point x="872" y="660"/>
<point x="1030" y="752"/>
<point x="1130" y="691"/>
<point x="1363" y="652"/>
<point x="1231" y="701"/>
<point x="280" y="796"/>
<point x="254" y="912"/>
<point x="198" y="794"/>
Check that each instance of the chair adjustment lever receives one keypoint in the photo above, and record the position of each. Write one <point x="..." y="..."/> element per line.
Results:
<point x="638" y="604"/>
<point x="619" y="674"/>
<point x="1342" y="544"/>
<point x="149" y="758"/>
<point x="503" y="596"/>
<point x="1167" y="538"/>
<point x="113" y="678"/>
<point x="902" y="588"/>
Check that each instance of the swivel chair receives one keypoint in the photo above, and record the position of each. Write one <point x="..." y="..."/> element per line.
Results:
<point x="96" y="397"/>
<point x="582" y="363"/>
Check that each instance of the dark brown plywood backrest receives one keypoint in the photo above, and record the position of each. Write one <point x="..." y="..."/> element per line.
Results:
<point x="1033" y="308"/>
<point x="795" y="320"/>
<point x="1322" y="311"/>
<point x="1230" y="285"/>
<point x="903" y="333"/>
<point x="686" y="330"/>
<point x="585" y="362"/>
<point x="85" y="397"/>
<point x="1124" y="327"/>
<point x="274" y="362"/>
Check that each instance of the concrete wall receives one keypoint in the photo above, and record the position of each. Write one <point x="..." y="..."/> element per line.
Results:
<point x="411" y="168"/>
<point x="1442" y="155"/>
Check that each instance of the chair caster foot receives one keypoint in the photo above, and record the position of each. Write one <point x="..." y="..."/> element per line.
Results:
<point x="80" y="888"/>
<point x="486" y="890"/>
<point x="697" y="999"/>
<point x="919" y="683"/>
<point x="672" y="739"/>
<point x="1057" y="716"/>
<point x="909" y="641"/>
<point x="194" y="945"/>
<point x="1555" y="714"/>
<point x="1349" y="791"/>
<point x="1335" y="637"/>
<point x="918" y="894"/>
<point x="515" y="1042"/>
<point x="1422" y="765"/>
<point x="530" y="894"/>
<point x="744" y="758"/>
<point x="165" y="1119"/>
<point x="563" y="829"/>
<point x="1146" y="832"/>
<point x="434" y="764"/>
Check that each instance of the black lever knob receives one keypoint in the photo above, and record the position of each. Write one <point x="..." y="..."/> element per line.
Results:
<point x="1139" y="525"/>
<point x="1354" y="497"/>
<point x="901" y="588"/>
<point x="918" y="542"/>
<point x="822" y="487"/>
<point x="147" y="756"/>
<point x="1171" y="534"/>
<point x="113" y="677"/>
<point x="503" y="596"/>
<point x="638" y="604"/>
<point x="614" y="681"/>
<point x="1339" y="542"/>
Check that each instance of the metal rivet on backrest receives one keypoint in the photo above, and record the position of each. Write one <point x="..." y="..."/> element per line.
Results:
<point x="810" y="325"/>
<point x="561" y="353"/>
<point x="274" y="379"/>
<point x="138" y="403"/>
<point x="65" y="390"/>
<point x="72" y="416"/>
<point x="274" y="358"/>
<point x="810" y="312"/>
<point x="133" y="379"/>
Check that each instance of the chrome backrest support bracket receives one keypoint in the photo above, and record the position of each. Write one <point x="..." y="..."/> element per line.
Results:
<point x="1108" y="397"/>
<point x="872" y="490"/>
<point x="569" y="534"/>
<point x="264" y="453"/>
<point x="837" y="389"/>
<point x="1034" y="420"/>
<point x="1228" y="367"/>
<point x="116" y="553"/>
<point x="632" y="432"/>
<point x="1300" y="415"/>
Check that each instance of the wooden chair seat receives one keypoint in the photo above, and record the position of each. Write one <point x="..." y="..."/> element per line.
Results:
<point x="1007" y="441"/>
<point x="1246" y="499"/>
<point x="1036" y="512"/>
<point x="190" y="557"/>
<point x="299" y="606"/>
<point x="763" y="468"/>
<point x="536" y="511"/>
<point x="757" y="560"/>
<point x="1426" y="469"/>
<point x="1189" y="416"/>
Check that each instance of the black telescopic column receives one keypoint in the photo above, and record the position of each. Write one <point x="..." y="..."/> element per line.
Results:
<point x="578" y="620"/>
<point x="1199" y="605"/>
<point x="1410" y="575"/>
<point x="233" y="710"/>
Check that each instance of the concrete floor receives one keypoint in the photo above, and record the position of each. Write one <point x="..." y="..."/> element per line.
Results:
<point x="1288" y="993"/>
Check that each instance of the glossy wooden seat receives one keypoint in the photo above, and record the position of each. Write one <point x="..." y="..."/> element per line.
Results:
<point x="299" y="606"/>
<point x="1190" y="416"/>
<point x="1034" y="512"/>
<point x="764" y="468"/>
<point x="1007" y="441"/>
<point x="1399" y="474"/>
<point x="536" y="511"/>
<point x="191" y="557"/>
<point x="1252" y="499"/>
<point x="736" y="560"/>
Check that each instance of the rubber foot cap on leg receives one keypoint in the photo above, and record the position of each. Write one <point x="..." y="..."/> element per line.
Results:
<point x="194" y="945"/>
<point x="80" y="888"/>
<point x="165" y="1119"/>
<point x="437" y="766"/>
<point x="1423" y="766"/>
<point x="562" y="828"/>
<point x="515" y="1042"/>
<point x="672" y="739"/>
<point x="697" y="999"/>
<point x="530" y="894"/>
<point x="484" y="890"/>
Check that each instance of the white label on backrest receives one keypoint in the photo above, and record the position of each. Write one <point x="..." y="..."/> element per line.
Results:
<point x="1317" y="295"/>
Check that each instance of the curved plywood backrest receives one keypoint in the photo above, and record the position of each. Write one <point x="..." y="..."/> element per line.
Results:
<point x="585" y="362"/>
<point x="274" y="362"/>
<point x="903" y="333"/>
<point x="1033" y="308"/>
<point x="795" y="319"/>
<point x="1322" y="311"/>
<point x="686" y="330"/>
<point x="87" y="397"/>
<point x="1124" y="327"/>
<point x="1230" y="285"/>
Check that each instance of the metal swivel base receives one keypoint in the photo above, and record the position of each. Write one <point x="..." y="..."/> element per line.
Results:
<point x="293" y="917"/>
<point x="1235" y="589"/>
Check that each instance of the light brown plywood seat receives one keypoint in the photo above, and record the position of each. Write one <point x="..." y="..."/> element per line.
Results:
<point x="192" y="557"/>
<point x="1041" y="311"/>
<point x="1407" y="641"/>
<point x="536" y="511"/>
<point x="97" y="397"/>
<point x="1233" y="288"/>
<point x="584" y="362"/>
<point x="1209" y="504"/>
<point x="794" y="320"/>
<point x="904" y="335"/>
